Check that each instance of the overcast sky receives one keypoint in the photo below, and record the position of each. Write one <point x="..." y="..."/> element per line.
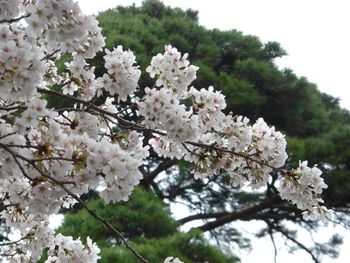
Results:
<point x="315" y="34"/>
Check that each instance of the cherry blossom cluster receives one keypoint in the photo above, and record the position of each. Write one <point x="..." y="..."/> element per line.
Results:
<point x="215" y="142"/>
<point x="208" y="106"/>
<point x="173" y="71"/>
<point x="35" y="231"/>
<point x="21" y="67"/>
<point x="60" y="25"/>
<point x="76" y="156"/>
<point x="163" y="110"/>
<point x="50" y="155"/>
<point x="122" y="78"/>
<point x="66" y="250"/>
<point x="42" y="145"/>
<point x="303" y="187"/>
<point x="79" y="81"/>
<point x="258" y="147"/>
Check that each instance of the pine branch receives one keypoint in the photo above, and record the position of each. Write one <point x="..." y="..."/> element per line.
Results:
<point x="284" y="233"/>
<point x="245" y="214"/>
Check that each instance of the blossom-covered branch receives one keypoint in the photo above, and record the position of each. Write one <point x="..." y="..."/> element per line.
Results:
<point x="50" y="156"/>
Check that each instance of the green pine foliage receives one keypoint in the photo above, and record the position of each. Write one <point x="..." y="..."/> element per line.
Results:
<point x="142" y="216"/>
<point x="146" y="222"/>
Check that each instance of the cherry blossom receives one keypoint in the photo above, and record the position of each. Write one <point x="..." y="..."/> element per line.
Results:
<point x="67" y="250"/>
<point x="172" y="70"/>
<point x="122" y="76"/>
<point x="303" y="187"/>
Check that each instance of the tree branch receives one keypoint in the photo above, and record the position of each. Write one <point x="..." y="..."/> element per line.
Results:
<point x="279" y="229"/>
<point x="190" y="218"/>
<point x="13" y="20"/>
<point x="163" y="166"/>
<point x="244" y="214"/>
<point x="14" y="242"/>
<point x="270" y="231"/>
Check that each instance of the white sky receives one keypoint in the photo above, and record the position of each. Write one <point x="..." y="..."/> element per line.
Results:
<point x="315" y="33"/>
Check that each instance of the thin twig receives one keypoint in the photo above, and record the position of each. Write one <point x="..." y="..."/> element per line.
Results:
<point x="14" y="242"/>
<point x="56" y="158"/>
<point x="127" y="108"/>
<point x="7" y="134"/>
<point x="12" y="108"/>
<point x="50" y="55"/>
<point x="17" y="161"/>
<point x="270" y="230"/>
<point x="13" y="20"/>
<point x="299" y="244"/>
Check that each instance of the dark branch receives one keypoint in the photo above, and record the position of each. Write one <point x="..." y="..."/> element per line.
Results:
<point x="270" y="231"/>
<point x="163" y="166"/>
<point x="201" y="216"/>
<point x="257" y="216"/>
<point x="245" y="214"/>
<point x="13" y="20"/>
<point x="14" y="242"/>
